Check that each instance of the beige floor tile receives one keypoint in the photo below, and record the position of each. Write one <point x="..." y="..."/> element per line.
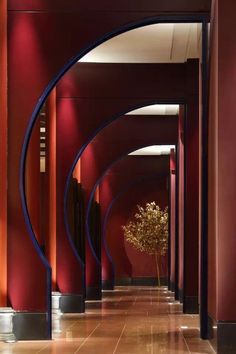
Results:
<point x="128" y="320"/>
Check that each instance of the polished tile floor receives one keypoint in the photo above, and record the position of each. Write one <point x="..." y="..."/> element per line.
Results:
<point x="128" y="320"/>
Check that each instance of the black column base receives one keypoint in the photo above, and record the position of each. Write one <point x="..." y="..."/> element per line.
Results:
<point x="181" y="296"/>
<point x="31" y="326"/>
<point x="148" y="281"/>
<point x="141" y="281"/>
<point x="71" y="303"/>
<point x="190" y="305"/>
<point x="123" y="281"/>
<point x="172" y="286"/>
<point x="93" y="293"/>
<point x="107" y="285"/>
<point x="222" y="336"/>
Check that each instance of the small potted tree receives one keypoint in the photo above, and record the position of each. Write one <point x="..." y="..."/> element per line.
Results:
<point x="149" y="232"/>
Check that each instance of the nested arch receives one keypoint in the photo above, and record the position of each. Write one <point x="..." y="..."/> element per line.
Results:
<point x="38" y="107"/>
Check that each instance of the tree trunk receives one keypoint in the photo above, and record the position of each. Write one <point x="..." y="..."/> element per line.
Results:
<point x="158" y="269"/>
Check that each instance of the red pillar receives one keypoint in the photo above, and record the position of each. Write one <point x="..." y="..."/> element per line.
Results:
<point x="89" y="167"/>
<point x="69" y="268"/>
<point x="222" y="176"/>
<point x="3" y="152"/>
<point x="50" y="174"/>
<point x="191" y="191"/>
<point x="33" y="181"/>
<point x="108" y="276"/>
<point x="181" y="205"/>
<point x="172" y="221"/>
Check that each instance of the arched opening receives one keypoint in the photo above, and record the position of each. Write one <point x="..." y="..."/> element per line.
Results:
<point x="23" y="161"/>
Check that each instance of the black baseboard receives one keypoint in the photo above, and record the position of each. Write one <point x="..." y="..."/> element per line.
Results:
<point x="176" y="291"/>
<point x="123" y="281"/>
<point x="107" y="285"/>
<point x="141" y="281"/>
<point x="31" y="326"/>
<point x="172" y="286"/>
<point x="71" y="303"/>
<point x="222" y="336"/>
<point x="190" y="305"/>
<point x="93" y="293"/>
<point x="181" y="295"/>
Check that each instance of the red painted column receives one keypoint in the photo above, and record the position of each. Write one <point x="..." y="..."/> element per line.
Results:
<point x="3" y="152"/>
<point x="181" y="205"/>
<point x="106" y="196"/>
<point x="212" y="271"/>
<point x="33" y="181"/>
<point x="89" y="166"/>
<point x="50" y="175"/>
<point x="69" y="267"/>
<point x="191" y="192"/>
<point x="27" y="272"/>
<point x="222" y="176"/>
<point x="172" y="221"/>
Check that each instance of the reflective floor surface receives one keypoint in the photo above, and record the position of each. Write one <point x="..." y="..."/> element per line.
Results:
<point x="128" y="320"/>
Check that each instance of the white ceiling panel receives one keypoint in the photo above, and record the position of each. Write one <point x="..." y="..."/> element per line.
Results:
<point x="156" y="109"/>
<point x="153" y="150"/>
<point x="158" y="43"/>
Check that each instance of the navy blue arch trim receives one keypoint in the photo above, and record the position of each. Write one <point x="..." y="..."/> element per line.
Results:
<point x="151" y="20"/>
<point x="104" y="125"/>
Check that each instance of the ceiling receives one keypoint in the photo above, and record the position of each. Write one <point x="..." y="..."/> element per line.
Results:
<point x="153" y="150"/>
<point x="158" y="43"/>
<point x="157" y="109"/>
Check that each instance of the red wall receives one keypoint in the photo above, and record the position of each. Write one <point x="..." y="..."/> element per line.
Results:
<point x="124" y="255"/>
<point x="125" y="171"/>
<point x="120" y="176"/>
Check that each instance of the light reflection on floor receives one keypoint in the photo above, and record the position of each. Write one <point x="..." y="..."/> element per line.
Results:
<point x="128" y="320"/>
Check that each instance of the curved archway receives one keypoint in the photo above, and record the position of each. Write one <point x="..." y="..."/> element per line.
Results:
<point x="164" y="131"/>
<point x="31" y="125"/>
<point x="29" y="129"/>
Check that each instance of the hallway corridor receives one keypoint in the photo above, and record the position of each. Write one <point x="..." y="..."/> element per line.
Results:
<point x="128" y="320"/>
